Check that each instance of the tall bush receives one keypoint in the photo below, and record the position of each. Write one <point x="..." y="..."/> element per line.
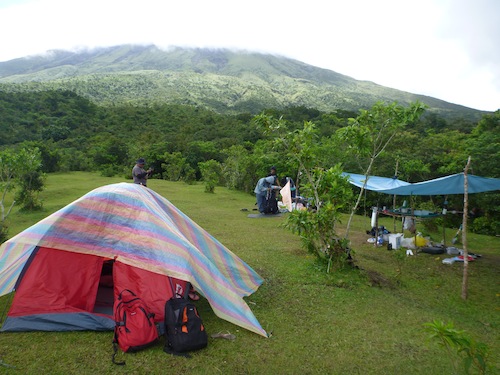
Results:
<point x="210" y="174"/>
<point x="30" y="179"/>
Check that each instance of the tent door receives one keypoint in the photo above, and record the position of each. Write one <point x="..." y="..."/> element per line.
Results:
<point x="105" y="296"/>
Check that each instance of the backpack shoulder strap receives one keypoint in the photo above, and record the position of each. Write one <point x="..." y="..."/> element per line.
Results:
<point x="188" y="288"/>
<point x="125" y="290"/>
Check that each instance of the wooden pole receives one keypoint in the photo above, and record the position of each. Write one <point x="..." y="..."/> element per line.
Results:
<point x="444" y="212"/>
<point x="464" y="232"/>
<point x="394" y="197"/>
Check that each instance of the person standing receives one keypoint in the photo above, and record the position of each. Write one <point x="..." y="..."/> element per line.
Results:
<point x="273" y="172"/>
<point x="264" y="191"/>
<point x="139" y="174"/>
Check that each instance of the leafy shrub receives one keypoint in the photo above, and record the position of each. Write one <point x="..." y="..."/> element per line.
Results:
<point x="457" y="343"/>
<point x="108" y="170"/>
<point x="30" y="182"/>
<point x="317" y="225"/>
<point x="210" y="173"/>
<point x="484" y="225"/>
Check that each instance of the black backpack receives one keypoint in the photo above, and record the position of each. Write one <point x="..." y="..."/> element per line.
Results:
<point x="184" y="329"/>
<point x="271" y="204"/>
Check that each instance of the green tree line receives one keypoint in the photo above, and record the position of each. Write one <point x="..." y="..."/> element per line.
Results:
<point x="188" y="143"/>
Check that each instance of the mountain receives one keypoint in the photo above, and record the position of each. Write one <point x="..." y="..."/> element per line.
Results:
<point x="219" y="79"/>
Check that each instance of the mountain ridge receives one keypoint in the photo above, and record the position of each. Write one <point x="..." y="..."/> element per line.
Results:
<point x="224" y="80"/>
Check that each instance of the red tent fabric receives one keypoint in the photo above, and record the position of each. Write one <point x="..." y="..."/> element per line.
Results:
<point x="61" y="290"/>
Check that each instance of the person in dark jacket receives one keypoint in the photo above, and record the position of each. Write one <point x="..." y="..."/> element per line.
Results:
<point x="139" y="174"/>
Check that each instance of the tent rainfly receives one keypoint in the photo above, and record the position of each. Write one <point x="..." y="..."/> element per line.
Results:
<point x="115" y="237"/>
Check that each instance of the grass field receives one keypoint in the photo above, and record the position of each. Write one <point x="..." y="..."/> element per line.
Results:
<point x="359" y="321"/>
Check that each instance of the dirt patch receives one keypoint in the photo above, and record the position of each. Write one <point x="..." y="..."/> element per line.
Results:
<point x="377" y="279"/>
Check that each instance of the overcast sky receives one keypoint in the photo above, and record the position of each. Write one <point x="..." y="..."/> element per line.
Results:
<point x="447" y="49"/>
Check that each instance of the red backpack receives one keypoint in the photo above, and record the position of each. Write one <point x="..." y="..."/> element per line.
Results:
<point x="135" y="328"/>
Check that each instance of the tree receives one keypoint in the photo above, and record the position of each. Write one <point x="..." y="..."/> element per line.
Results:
<point x="448" y="151"/>
<point x="483" y="148"/>
<point x="49" y="154"/>
<point x="109" y="152"/>
<point x="465" y="277"/>
<point x="30" y="178"/>
<point x="317" y="225"/>
<point x="173" y="166"/>
<point x="200" y="151"/>
<point x="483" y="145"/>
<point x="369" y="134"/>
<point x="300" y="146"/>
<point x="8" y="161"/>
<point x="237" y="168"/>
<point x="154" y="155"/>
<point x="330" y="192"/>
<point x="210" y="173"/>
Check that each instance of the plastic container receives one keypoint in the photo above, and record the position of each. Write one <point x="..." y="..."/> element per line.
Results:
<point x="374" y="217"/>
<point x="420" y="241"/>
<point x="395" y="240"/>
<point x="449" y="260"/>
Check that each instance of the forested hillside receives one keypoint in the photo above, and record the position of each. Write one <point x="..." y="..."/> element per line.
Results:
<point x="221" y="80"/>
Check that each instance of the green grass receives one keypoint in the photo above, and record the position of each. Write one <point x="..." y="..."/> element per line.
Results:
<point x="364" y="321"/>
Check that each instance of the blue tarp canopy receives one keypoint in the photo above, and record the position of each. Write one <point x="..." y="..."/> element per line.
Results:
<point x="375" y="183"/>
<point x="453" y="184"/>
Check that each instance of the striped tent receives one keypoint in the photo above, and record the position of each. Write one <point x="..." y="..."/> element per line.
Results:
<point x="145" y="240"/>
